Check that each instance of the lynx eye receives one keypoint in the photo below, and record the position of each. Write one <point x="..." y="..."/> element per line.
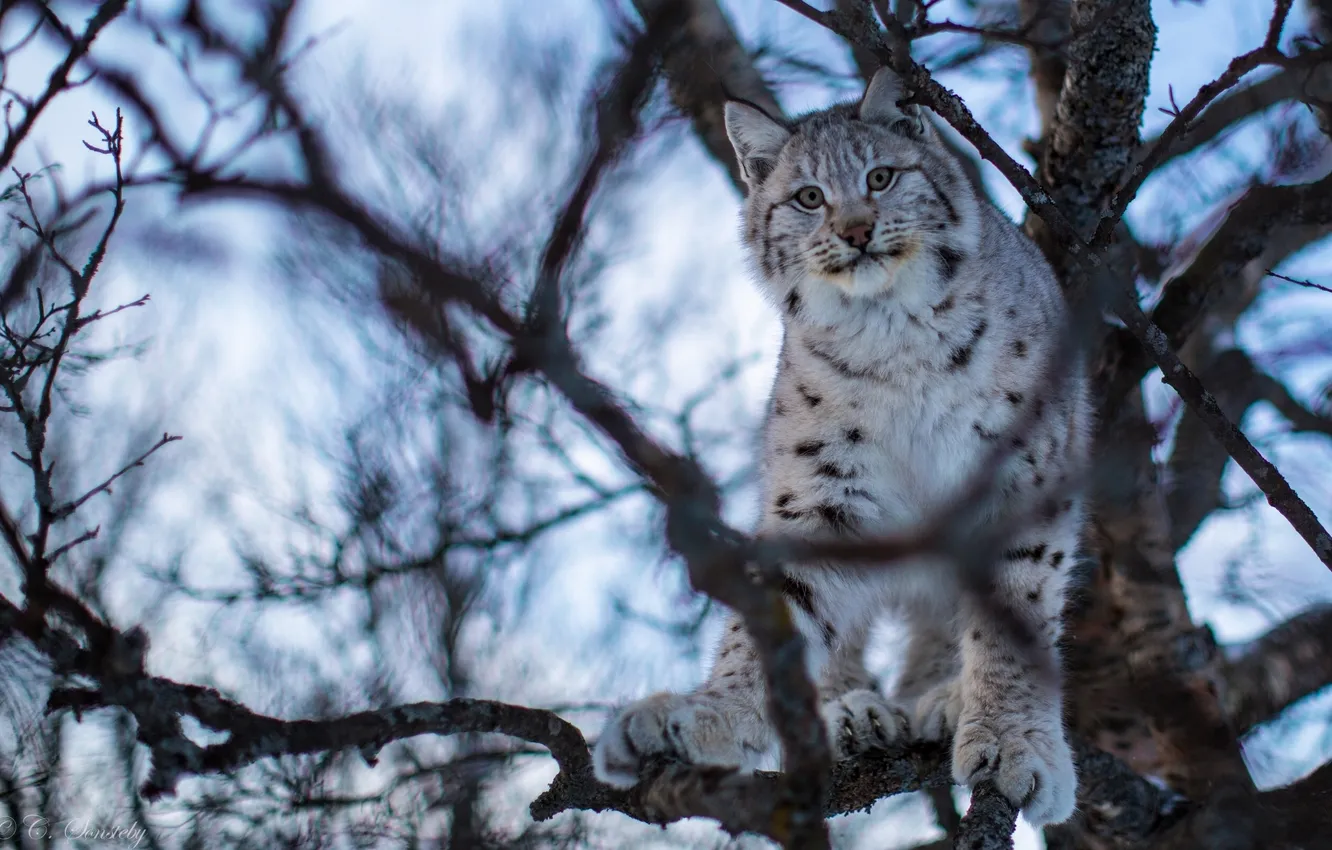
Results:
<point x="879" y="178"/>
<point x="810" y="197"/>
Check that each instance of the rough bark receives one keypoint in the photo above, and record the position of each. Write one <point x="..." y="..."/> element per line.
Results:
<point x="1095" y="129"/>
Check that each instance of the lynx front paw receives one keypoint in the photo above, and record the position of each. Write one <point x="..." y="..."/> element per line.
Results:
<point x="860" y="720"/>
<point x="937" y="711"/>
<point x="683" y="727"/>
<point x="1029" y="762"/>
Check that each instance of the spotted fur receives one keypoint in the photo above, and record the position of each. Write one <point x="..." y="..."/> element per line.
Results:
<point x="920" y="329"/>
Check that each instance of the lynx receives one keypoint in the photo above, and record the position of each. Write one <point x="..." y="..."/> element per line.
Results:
<point x="920" y="328"/>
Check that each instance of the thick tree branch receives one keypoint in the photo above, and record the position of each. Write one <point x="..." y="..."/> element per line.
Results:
<point x="1095" y="128"/>
<point x="705" y="66"/>
<point x="1288" y="663"/>
<point x="989" y="821"/>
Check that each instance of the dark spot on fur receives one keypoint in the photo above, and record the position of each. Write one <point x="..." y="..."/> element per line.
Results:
<point x="844" y="368"/>
<point x="949" y="260"/>
<point x="1013" y="397"/>
<point x="800" y="593"/>
<point x="1020" y="347"/>
<point x="835" y="515"/>
<point x="985" y="434"/>
<point x="810" y="398"/>
<point x="785" y="499"/>
<point x="976" y="635"/>
<point x="1038" y="479"/>
<point x="789" y="515"/>
<point x="809" y="448"/>
<point x="1034" y="596"/>
<point x="1026" y="553"/>
<point x="853" y="435"/>
<point x="793" y="303"/>
<point x="961" y="355"/>
<point x="1011" y="313"/>
<point x="831" y="470"/>
<point x="1056" y="559"/>
<point x="945" y="305"/>
<point x="895" y="251"/>
<point x="778" y="409"/>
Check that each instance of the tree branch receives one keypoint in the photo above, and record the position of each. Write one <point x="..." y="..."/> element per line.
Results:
<point x="1225" y="112"/>
<point x="59" y="80"/>
<point x="1095" y="129"/>
<point x="1218" y="263"/>
<point x="1285" y="665"/>
<point x="705" y="66"/>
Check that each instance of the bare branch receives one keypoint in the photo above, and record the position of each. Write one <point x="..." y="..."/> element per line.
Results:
<point x="1278" y="669"/>
<point x="61" y="512"/>
<point x="706" y="66"/>
<point x="59" y="80"/>
<point x="1225" y="112"/>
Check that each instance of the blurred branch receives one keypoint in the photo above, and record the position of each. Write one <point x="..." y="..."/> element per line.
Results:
<point x="59" y="79"/>
<point x="1218" y="263"/>
<point x="1283" y="666"/>
<point x="1048" y="21"/>
<point x="705" y="66"/>
<point x="1196" y="462"/>
<point x="1226" y="112"/>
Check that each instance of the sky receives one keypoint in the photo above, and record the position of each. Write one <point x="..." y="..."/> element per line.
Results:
<point x="230" y="350"/>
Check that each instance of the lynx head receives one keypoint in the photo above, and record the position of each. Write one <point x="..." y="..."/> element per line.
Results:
<point x="858" y="199"/>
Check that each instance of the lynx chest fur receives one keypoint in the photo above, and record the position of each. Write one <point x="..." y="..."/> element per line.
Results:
<point x="886" y="407"/>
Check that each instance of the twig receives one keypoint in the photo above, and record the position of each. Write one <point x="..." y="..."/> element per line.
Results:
<point x="1142" y="168"/>
<point x="59" y="80"/>
<point x="63" y="511"/>
<point x="1309" y="283"/>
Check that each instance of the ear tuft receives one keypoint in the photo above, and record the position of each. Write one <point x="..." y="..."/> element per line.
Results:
<point x="757" y="140"/>
<point x="881" y="104"/>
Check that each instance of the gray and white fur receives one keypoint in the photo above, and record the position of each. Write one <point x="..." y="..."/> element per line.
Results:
<point x="920" y="327"/>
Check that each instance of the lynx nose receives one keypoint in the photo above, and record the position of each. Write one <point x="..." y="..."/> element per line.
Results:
<point x="856" y="235"/>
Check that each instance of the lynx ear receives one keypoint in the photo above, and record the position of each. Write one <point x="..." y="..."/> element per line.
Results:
<point x="757" y="140"/>
<point x="880" y="104"/>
